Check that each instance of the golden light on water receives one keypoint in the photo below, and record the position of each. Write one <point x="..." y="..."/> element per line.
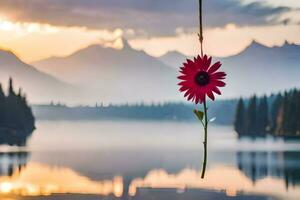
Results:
<point x="6" y="187"/>
<point x="221" y="178"/>
<point x="118" y="186"/>
<point x="40" y="180"/>
<point x="37" y="179"/>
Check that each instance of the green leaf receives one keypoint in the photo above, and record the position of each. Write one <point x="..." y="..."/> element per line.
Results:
<point x="199" y="114"/>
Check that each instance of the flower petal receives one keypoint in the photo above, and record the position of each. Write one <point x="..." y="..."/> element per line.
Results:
<point x="197" y="99"/>
<point x="204" y="63"/>
<point x="190" y="96"/>
<point x="190" y="62"/>
<point x="187" y="93"/>
<point x="219" y="83"/>
<point x="202" y="98"/>
<point x="182" y="83"/>
<point x="207" y="64"/>
<point x="214" y="67"/>
<point x="218" y="75"/>
<point x="183" y="88"/>
<point x="183" y="77"/>
<point x="216" y="90"/>
<point x="211" y="95"/>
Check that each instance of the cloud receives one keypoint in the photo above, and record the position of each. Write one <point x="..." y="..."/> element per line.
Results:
<point x="150" y="16"/>
<point x="28" y="40"/>
<point x="225" y="41"/>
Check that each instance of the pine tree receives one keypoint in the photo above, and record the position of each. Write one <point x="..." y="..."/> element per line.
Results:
<point x="251" y="118"/>
<point x="283" y="115"/>
<point x="276" y="105"/>
<point x="21" y="118"/>
<point x="29" y="118"/>
<point x="239" y="123"/>
<point x="16" y="118"/>
<point x="292" y="117"/>
<point x="11" y="107"/>
<point x="298" y="113"/>
<point x="282" y="120"/>
<point x="262" y="116"/>
<point x="16" y="114"/>
<point x="286" y="114"/>
<point x="10" y="87"/>
<point x="2" y="107"/>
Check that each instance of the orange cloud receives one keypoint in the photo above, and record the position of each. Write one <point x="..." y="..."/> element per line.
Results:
<point x="34" y="41"/>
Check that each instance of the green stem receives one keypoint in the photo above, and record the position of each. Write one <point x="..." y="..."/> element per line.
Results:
<point x="205" y="140"/>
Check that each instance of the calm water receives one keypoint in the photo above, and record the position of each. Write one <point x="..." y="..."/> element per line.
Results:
<point x="146" y="160"/>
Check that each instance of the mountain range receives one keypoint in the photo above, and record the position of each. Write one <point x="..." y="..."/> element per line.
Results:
<point x="39" y="87"/>
<point x="260" y="69"/>
<point x="98" y="73"/>
<point x="115" y="75"/>
<point x="173" y="59"/>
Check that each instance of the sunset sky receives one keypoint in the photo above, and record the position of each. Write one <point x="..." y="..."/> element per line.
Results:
<point x="37" y="29"/>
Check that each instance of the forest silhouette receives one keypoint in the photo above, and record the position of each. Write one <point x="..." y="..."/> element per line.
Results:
<point x="16" y="118"/>
<point x="277" y="115"/>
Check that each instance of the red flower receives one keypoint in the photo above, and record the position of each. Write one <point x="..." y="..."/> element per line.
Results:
<point x="200" y="79"/>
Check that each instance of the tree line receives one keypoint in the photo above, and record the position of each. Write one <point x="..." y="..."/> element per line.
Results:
<point x="15" y="115"/>
<point x="222" y="110"/>
<point x="278" y="115"/>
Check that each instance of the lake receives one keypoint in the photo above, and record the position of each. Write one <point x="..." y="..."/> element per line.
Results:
<point x="146" y="160"/>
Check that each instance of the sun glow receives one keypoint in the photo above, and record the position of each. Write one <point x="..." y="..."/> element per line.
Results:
<point x="23" y="28"/>
<point x="6" y="187"/>
<point x="35" y="41"/>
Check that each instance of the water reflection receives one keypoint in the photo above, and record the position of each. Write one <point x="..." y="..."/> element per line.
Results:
<point x="282" y="165"/>
<point x="230" y="179"/>
<point x="92" y="160"/>
<point x="10" y="162"/>
<point x="38" y="179"/>
<point x="257" y="173"/>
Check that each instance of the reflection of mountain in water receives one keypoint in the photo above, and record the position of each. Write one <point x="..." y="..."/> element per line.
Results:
<point x="228" y="182"/>
<point x="40" y="181"/>
<point x="258" y="165"/>
<point x="11" y="162"/>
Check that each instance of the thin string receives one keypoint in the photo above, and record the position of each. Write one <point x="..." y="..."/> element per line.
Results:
<point x="200" y="34"/>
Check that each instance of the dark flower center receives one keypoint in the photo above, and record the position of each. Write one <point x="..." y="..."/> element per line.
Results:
<point x="202" y="78"/>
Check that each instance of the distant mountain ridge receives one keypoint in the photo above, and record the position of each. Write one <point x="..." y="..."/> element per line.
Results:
<point x="39" y="86"/>
<point x="260" y="69"/>
<point x="115" y="75"/>
<point x="97" y="73"/>
<point x="173" y="59"/>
